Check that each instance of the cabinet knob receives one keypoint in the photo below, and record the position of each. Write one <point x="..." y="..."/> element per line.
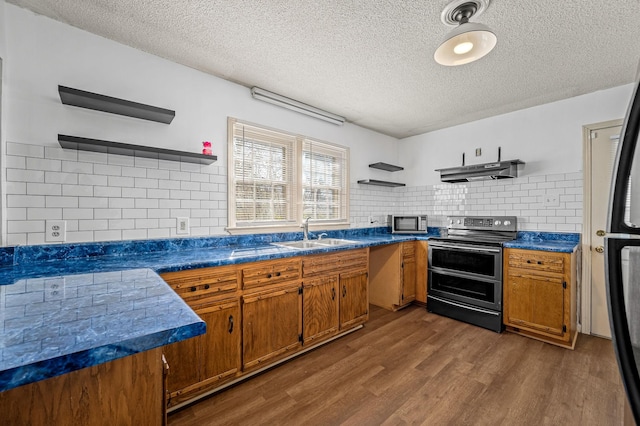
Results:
<point x="333" y="293"/>
<point x="230" y="323"/>
<point x="528" y="261"/>
<point x="277" y="274"/>
<point x="268" y="275"/>
<point x="539" y="262"/>
<point x="344" y="291"/>
<point x="206" y="286"/>
<point x="600" y="249"/>
<point x="194" y="288"/>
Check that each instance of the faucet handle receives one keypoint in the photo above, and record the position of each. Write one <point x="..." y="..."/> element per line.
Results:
<point x="324" y="234"/>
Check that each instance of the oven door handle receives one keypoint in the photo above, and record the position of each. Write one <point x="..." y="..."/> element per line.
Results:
<point x="464" y="247"/>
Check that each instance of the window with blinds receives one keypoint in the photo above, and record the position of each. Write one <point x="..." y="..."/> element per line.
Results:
<point x="277" y="179"/>
<point x="324" y="181"/>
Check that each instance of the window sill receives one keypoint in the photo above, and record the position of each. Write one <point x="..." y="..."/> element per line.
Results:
<point x="242" y="230"/>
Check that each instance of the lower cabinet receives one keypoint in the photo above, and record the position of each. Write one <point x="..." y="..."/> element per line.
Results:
<point x="272" y="324"/>
<point x="206" y="360"/>
<point x="394" y="274"/>
<point x="260" y="313"/>
<point x="354" y="303"/>
<point x="540" y="295"/>
<point x="320" y="308"/>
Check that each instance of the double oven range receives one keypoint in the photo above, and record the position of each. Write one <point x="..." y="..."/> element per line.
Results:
<point x="465" y="269"/>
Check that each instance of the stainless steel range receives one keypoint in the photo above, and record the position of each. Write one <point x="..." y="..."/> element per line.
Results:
<point x="465" y="269"/>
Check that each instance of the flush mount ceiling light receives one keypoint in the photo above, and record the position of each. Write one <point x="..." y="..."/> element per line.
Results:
<point x="283" y="101"/>
<point x="469" y="41"/>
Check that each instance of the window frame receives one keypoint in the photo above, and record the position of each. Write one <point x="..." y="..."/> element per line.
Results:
<point x="234" y="226"/>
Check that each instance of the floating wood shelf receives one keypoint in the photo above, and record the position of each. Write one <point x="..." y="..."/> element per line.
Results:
<point x="386" y="167"/>
<point x="108" y="147"/>
<point x="89" y="100"/>
<point x="380" y="182"/>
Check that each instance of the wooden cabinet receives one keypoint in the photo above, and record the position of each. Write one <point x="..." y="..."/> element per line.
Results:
<point x="260" y="313"/>
<point x="347" y="273"/>
<point x="540" y="295"/>
<point x="272" y="324"/>
<point x="422" y="249"/>
<point x="394" y="274"/>
<point x="354" y="300"/>
<point x="320" y="308"/>
<point x="205" y="361"/>
<point x="127" y="390"/>
<point x="408" y="265"/>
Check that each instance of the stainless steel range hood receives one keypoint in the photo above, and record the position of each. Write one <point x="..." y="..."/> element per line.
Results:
<point x="497" y="170"/>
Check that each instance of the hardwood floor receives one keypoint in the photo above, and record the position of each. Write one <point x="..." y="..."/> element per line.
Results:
<point x="413" y="367"/>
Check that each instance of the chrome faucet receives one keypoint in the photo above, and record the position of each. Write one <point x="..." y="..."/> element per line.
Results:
<point x="324" y="234"/>
<point x="305" y="229"/>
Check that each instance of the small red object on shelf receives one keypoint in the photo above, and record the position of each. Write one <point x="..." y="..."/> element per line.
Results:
<point x="206" y="148"/>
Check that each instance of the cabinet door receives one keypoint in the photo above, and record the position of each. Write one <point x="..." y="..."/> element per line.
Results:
<point x="272" y="324"/>
<point x="220" y="346"/>
<point x="200" y="361"/>
<point x="536" y="302"/>
<point x="408" y="273"/>
<point x="354" y="300"/>
<point x="320" y="308"/>
<point x="184" y="367"/>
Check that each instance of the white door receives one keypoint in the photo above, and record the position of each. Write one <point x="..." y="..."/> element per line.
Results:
<point x="604" y="143"/>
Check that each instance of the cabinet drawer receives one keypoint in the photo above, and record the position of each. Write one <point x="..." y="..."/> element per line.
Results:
<point x="538" y="261"/>
<point x="200" y="286"/>
<point x="313" y="265"/>
<point x="271" y="272"/>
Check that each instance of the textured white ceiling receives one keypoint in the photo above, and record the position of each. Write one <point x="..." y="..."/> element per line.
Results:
<point x="371" y="61"/>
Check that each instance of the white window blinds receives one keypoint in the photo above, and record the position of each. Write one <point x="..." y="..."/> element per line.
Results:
<point x="277" y="179"/>
<point x="324" y="179"/>
<point x="264" y="171"/>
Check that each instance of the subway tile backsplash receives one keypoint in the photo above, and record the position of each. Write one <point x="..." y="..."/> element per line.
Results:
<point x="523" y="197"/>
<point x="105" y="197"/>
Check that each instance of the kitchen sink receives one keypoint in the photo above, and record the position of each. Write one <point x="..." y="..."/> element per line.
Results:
<point x="334" y="242"/>
<point x="299" y="244"/>
<point x="325" y="242"/>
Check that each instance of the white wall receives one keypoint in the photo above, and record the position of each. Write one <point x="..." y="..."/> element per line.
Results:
<point x="548" y="138"/>
<point x="46" y="182"/>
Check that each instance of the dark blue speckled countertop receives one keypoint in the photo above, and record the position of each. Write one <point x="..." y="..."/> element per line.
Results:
<point x="545" y="241"/>
<point x="70" y="306"/>
<point x="59" y="324"/>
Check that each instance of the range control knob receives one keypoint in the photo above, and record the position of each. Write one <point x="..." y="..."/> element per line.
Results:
<point x="497" y="223"/>
<point x="507" y="222"/>
<point x="458" y="221"/>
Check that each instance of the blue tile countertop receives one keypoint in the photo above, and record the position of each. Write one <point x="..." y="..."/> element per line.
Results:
<point x="70" y="306"/>
<point x="59" y="324"/>
<point x="545" y="241"/>
<point x="64" y="307"/>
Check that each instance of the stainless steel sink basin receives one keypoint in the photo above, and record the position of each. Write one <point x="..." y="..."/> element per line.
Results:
<point x="299" y="244"/>
<point x="325" y="242"/>
<point x="334" y="242"/>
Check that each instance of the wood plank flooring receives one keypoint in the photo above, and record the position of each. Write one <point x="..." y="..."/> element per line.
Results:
<point x="413" y="367"/>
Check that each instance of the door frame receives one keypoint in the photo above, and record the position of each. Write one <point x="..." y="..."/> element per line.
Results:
<point x="586" y="285"/>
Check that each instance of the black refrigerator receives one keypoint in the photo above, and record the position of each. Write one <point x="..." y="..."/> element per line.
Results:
<point x="622" y="251"/>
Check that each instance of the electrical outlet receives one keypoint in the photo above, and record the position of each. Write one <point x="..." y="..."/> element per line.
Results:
<point x="56" y="231"/>
<point x="478" y="152"/>
<point x="551" y="200"/>
<point x="182" y="226"/>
